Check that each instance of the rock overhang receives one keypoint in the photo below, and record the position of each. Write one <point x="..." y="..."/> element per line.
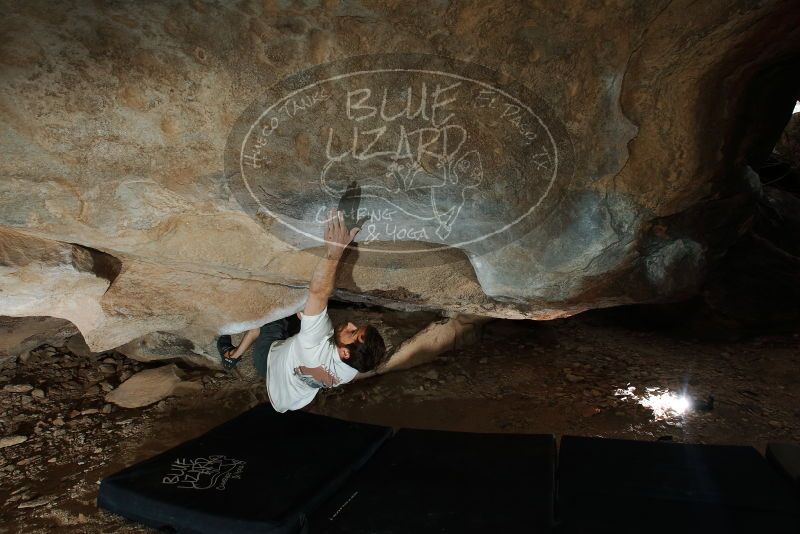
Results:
<point x="116" y="123"/>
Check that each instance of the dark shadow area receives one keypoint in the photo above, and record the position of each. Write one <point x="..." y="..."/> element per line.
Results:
<point x="750" y="226"/>
<point x="104" y="265"/>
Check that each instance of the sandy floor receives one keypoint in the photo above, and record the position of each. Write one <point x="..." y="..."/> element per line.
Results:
<point x="581" y="376"/>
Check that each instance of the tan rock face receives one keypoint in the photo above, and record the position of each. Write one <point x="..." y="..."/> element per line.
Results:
<point x="120" y="210"/>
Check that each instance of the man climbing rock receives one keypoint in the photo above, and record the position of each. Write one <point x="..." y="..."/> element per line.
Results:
<point x="319" y="355"/>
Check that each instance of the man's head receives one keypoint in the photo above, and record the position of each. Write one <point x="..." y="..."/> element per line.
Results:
<point x="360" y="347"/>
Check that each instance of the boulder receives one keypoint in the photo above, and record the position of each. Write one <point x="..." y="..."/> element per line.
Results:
<point x="164" y="345"/>
<point x="147" y="387"/>
<point x="77" y="345"/>
<point x="19" y="335"/>
<point x="166" y="171"/>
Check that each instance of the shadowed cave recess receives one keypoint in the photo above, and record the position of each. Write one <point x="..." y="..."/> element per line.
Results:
<point x="574" y="220"/>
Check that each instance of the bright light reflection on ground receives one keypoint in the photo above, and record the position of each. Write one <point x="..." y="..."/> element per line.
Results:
<point x="666" y="405"/>
<point x="796" y="107"/>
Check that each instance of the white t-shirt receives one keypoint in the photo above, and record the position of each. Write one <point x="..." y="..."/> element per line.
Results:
<point x="299" y="366"/>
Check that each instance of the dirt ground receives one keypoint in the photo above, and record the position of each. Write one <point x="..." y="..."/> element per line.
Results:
<point x="580" y="376"/>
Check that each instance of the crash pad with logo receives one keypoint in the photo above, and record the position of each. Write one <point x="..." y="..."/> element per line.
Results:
<point x="260" y="472"/>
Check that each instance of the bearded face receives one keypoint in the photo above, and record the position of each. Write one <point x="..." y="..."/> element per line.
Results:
<point x="346" y="333"/>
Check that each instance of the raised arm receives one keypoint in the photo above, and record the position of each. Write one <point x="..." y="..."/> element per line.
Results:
<point x="337" y="237"/>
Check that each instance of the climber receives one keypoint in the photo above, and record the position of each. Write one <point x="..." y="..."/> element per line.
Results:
<point x="319" y="355"/>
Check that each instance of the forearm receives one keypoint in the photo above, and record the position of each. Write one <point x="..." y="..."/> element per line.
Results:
<point x="324" y="278"/>
<point x="337" y="237"/>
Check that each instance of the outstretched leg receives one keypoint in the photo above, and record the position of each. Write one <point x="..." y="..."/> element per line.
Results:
<point x="430" y="342"/>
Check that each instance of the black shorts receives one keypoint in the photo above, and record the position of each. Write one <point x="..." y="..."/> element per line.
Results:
<point x="271" y="332"/>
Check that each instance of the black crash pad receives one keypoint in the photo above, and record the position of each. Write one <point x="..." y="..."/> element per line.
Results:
<point x="609" y="485"/>
<point x="260" y="472"/>
<point x="430" y="481"/>
<point x="785" y="457"/>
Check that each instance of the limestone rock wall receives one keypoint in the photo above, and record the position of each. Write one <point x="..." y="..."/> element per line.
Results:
<point x="114" y="118"/>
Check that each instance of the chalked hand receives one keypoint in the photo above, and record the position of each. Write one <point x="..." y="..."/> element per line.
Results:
<point x="337" y="235"/>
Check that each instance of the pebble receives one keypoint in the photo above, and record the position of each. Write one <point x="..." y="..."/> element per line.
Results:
<point x="41" y="501"/>
<point x="574" y="378"/>
<point x="483" y="360"/>
<point x="107" y="369"/>
<point x="775" y="424"/>
<point x="38" y="393"/>
<point x="89" y="411"/>
<point x="433" y="374"/>
<point x="590" y="411"/>
<point x="17" y="388"/>
<point x="58" y="421"/>
<point x="10" y="441"/>
<point x="107" y="408"/>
